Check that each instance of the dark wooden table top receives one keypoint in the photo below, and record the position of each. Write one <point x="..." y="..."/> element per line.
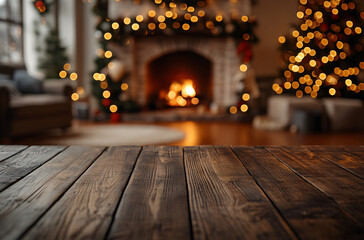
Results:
<point x="169" y="192"/>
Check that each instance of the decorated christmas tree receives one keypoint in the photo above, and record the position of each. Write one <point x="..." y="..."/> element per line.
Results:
<point x="324" y="54"/>
<point x="108" y="78"/>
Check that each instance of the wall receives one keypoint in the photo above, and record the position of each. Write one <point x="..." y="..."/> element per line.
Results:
<point x="86" y="43"/>
<point x="274" y="19"/>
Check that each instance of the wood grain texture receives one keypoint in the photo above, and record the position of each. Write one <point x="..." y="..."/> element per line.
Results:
<point x="344" y="187"/>
<point x="310" y="212"/>
<point x="18" y="166"/>
<point x="24" y="202"/>
<point x="342" y="158"/>
<point x="355" y="150"/>
<point x="225" y="201"/>
<point x="86" y="209"/>
<point x="154" y="204"/>
<point x="7" y="151"/>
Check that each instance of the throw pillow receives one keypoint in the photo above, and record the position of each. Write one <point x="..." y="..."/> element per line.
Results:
<point x="26" y="83"/>
<point x="4" y="76"/>
<point x="14" y="92"/>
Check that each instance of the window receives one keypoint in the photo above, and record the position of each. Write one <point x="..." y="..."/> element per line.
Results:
<point x="11" y="32"/>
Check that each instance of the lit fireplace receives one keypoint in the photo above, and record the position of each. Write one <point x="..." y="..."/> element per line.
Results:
<point x="179" y="79"/>
<point x="181" y="94"/>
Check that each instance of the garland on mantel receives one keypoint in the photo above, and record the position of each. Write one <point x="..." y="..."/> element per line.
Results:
<point x="194" y="21"/>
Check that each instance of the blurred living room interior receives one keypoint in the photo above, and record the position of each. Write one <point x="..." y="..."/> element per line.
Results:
<point x="197" y="72"/>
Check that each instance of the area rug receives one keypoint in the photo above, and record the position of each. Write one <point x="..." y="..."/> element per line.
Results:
<point x="119" y="134"/>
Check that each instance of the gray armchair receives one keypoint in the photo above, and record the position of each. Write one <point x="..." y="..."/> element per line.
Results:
<point x="35" y="109"/>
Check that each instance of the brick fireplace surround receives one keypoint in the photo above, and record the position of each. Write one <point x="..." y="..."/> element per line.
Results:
<point x="220" y="51"/>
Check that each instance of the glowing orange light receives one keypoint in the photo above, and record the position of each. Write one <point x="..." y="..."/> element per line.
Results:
<point x="244" y="18"/>
<point x="73" y="76"/>
<point x="135" y="26"/>
<point x="62" y="74"/>
<point x="299" y="94"/>
<point x="332" y="91"/>
<point x="243" y="67"/>
<point x="113" y="108"/>
<point x="185" y="26"/>
<point x="169" y="14"/>
<point x="244" y="107"/>
<point x="195" y="101"/>
<point x="127" y="21"/>
<point x="115" y="25"/>
<point x="246" y="97"/>
<point x="75" y="96"/>
<point x="282" y="39"/>
<point x="233" y="110"/>
<point x="151" y="13"/>
<point x="67" y="66"/>
<point x="106" y="94"/>
<point x="151" y="26"/>
<point x="124" y="86"/>
<point x="107" y="36"/>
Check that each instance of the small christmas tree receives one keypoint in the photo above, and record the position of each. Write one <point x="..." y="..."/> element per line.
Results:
<point x="54" y="56"/>
<point x="324" y="55"/>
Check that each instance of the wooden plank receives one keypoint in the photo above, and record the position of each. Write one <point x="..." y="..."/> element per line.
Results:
<point x="7" y="151"/>
<point x="225" y="201"/>
<point x="308" y="211"/>
<point x="24" y="202"/>
<point x="355" y="150"/>
<point x="344" y="159"/>
<point x="154" y="205"/>
<point x="345" y="188"/>
<point x="91" y="201"/>
<point x="18" y="166"/>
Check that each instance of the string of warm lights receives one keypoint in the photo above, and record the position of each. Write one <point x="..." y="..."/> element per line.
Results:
<point x="168" y="18"/>
<point x="65" y="73"/>
<point x="324" y="54"/>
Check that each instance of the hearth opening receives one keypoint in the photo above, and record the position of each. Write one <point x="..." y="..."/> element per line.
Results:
<point x="179" y="79"/>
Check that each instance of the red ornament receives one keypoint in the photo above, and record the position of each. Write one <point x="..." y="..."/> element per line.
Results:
<point x="245" y="50"/>
<point x="105" y="102"/>
<point x="39" y="4"/>
<point x="243" y="46"/>
<point x="114" y="117"/>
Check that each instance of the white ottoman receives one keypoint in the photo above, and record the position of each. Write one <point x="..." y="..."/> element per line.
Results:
<point x="280" y="107"/>
<point x="344" y="113"/>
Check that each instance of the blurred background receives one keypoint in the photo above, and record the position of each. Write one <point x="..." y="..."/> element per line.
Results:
<point x="197" y="72"/>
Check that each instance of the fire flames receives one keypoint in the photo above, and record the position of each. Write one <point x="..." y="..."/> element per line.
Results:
<point x="182" y="94"/>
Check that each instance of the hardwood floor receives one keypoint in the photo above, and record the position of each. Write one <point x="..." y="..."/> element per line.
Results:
<point x="222" y="133"/>
<point x="231" y="133"/>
